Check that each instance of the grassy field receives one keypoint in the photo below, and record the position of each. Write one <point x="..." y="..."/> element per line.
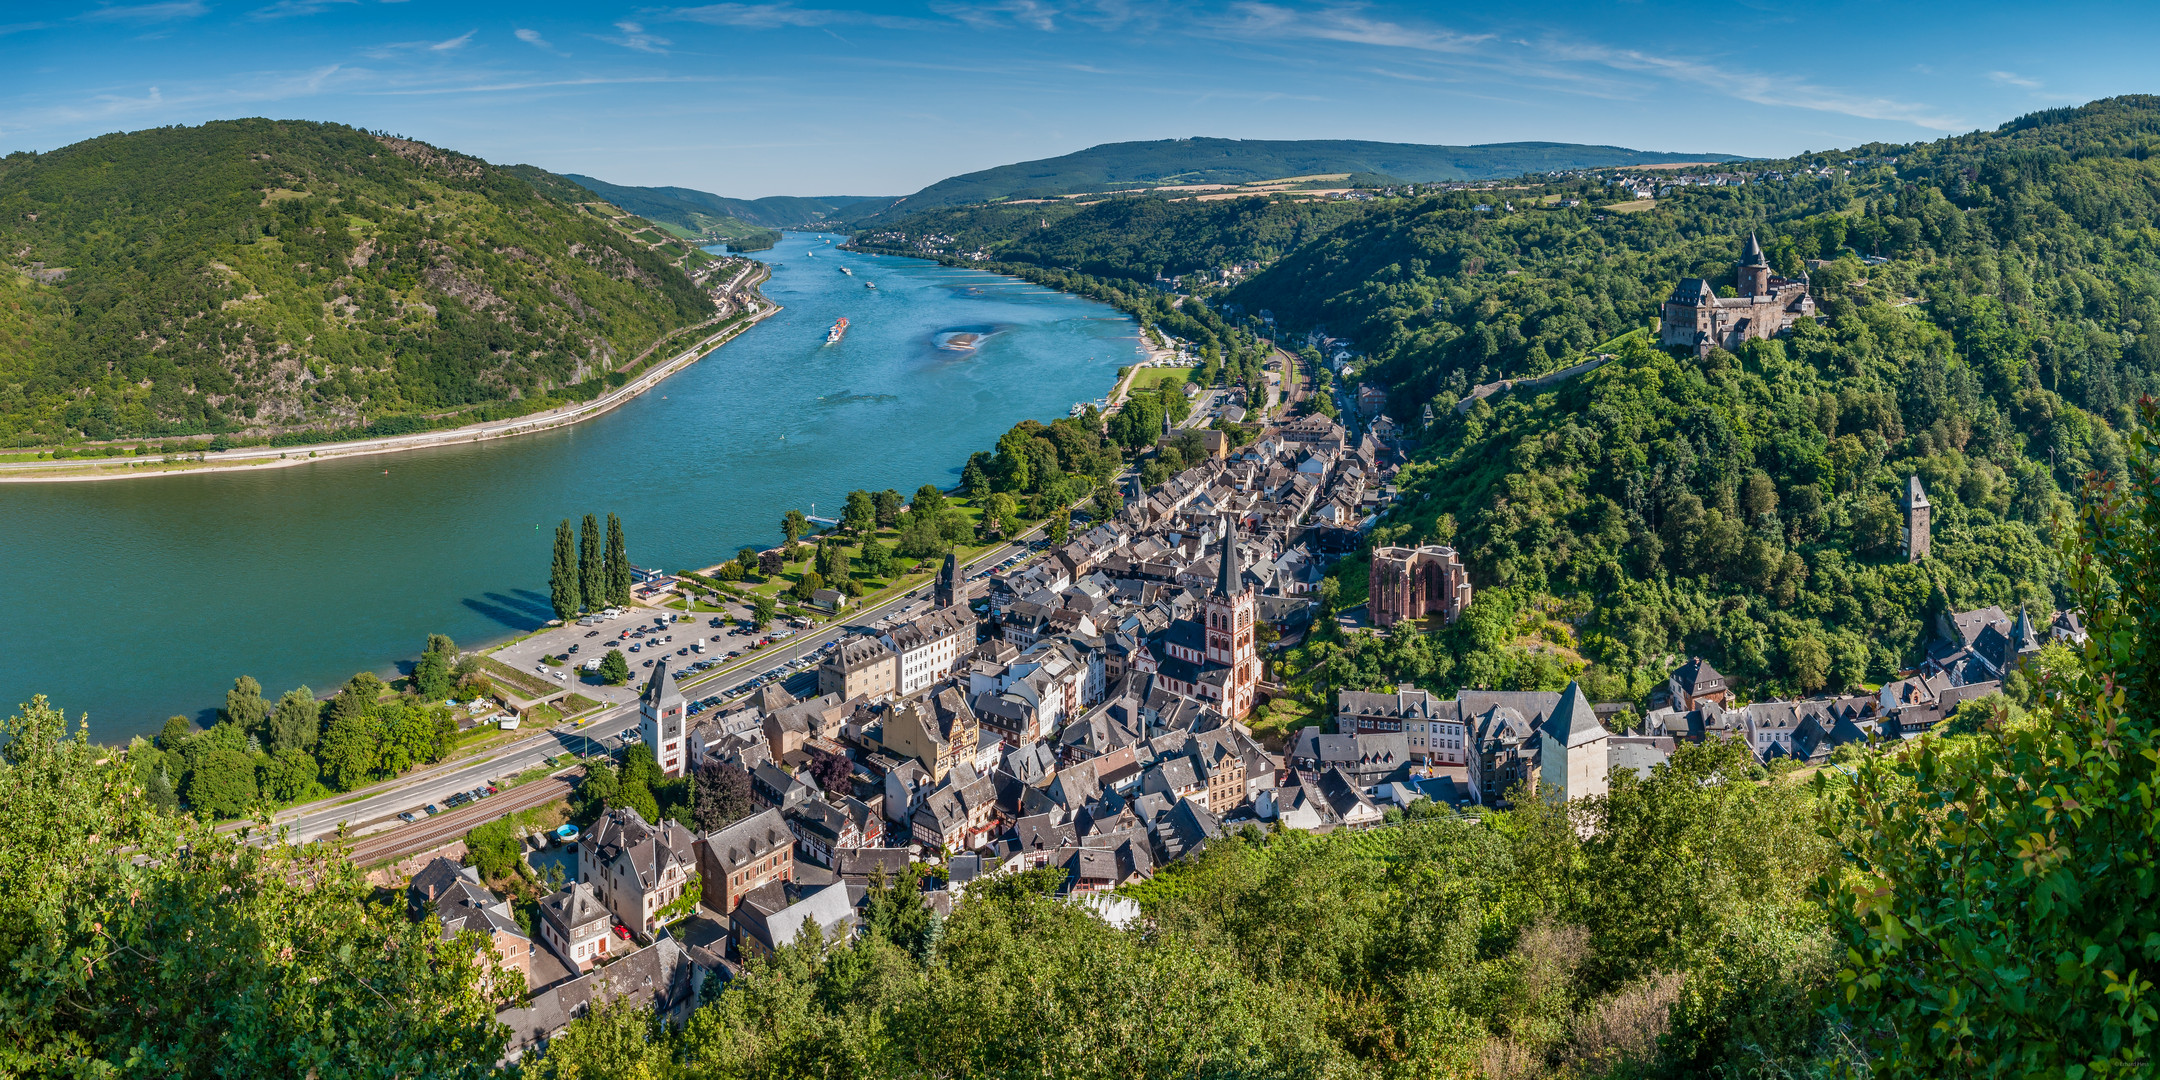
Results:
<point x="1633" y="206"/>
<point x="1155" y="376"/>
<point x="876" y="590"/>
<point x="1274" y="725"/>
<point x="528" y="684"/>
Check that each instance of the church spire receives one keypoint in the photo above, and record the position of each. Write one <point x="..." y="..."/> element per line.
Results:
<point x="1229" y="580"/>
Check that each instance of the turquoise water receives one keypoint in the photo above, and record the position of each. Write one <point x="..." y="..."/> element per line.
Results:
<point x="136" y="600"/>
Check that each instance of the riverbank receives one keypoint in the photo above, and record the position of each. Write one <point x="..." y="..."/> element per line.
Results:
<point x="245" y="459"/>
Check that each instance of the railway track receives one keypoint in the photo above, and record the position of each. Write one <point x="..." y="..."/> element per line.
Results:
<point x="433" y="832"/>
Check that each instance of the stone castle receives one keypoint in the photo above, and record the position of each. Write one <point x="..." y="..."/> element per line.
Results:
<point x="1697" y="317"/>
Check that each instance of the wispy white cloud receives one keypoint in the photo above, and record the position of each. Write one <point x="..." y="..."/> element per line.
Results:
<point x="504" y="87"/>
<point x="998" y="14"/>
<point x="634" y="36"/>
<point x="785" y="14"/>
<point x="2013" y="79"/>
<point x="1762" y="89"/>
<point x="243" y="90"/>
<point x="1347" y="24"/>
<point x="286" y="9"/>
<point x="146" y="13"/>
<point x="533" y="38"/>
<point x="398" y="49"/>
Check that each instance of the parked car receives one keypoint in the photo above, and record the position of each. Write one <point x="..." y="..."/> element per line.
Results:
<point x="595" y="633"/>
<point x="408" y="817"/>
<point x="573" y="649"/>
<point x="432" y="809"/>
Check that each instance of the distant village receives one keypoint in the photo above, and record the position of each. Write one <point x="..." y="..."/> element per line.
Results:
<point x="1088" y="711"/>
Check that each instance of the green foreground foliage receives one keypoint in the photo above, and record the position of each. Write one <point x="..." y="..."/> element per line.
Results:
<point x="141" y="944"/>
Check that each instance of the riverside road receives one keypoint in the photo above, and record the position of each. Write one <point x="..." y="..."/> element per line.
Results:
<point x="373" y="814"/>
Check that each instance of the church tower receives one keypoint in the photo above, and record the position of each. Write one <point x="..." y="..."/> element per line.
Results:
<point x="1228" y="612"/>
<point x="952" y="588"/>
<point x="1754" y="269"/>
<point x="662" y="715"/>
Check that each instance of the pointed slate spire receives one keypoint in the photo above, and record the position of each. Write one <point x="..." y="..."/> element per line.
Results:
<point x="1915" y="495"/>
<point x="1753" y="254"/>
<point x="660" y="691"/>
<point x="1573" y="722"/>
<point x="2022" y="635"/>
<point x="1229" y="580"/>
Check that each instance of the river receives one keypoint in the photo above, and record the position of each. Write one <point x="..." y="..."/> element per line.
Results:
<point x="136" y="600"/>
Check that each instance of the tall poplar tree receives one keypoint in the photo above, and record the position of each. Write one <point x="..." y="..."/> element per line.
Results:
<point x="592" y="581"/>
<point x="617" y="564"/>
<point x="563" y="577"/>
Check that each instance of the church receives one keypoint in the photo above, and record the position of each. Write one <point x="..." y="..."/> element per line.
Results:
<point x="1212" y="658"/>
<point x="1696" y="317"/>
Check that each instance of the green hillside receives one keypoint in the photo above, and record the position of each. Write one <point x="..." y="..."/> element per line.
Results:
<point x="1745" y="507"/>
<point x="1139" y="237"/>
<point x="275" y="276"/>
<point x="700" y="214"/>
<point x="1241" y="161"/>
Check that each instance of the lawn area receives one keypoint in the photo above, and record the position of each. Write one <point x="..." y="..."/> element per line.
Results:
<point x="1633" y="206"/>
<point x="1281" y="719"/>
<point x="876" y="590"/>
<point x="528" y="684"/>
<point x="1148" y="377"/>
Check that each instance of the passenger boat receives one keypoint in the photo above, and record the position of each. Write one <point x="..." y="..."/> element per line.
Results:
<point x="838" y="331"/>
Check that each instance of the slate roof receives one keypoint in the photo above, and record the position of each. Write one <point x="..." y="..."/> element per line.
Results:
<point x="623" y="834"/>
<point x="576" y="907"/>
<point x="751" y="838"/>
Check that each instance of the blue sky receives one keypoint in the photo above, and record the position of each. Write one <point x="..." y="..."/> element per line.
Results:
<point x="826" y="97"/>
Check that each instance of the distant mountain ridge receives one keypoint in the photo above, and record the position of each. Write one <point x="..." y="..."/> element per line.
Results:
<point x="1241" y="161"/>
<point x="704" y="213"/>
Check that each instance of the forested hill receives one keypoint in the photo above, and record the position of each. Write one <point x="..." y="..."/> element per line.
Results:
<point x="1747" y="507"/>
<point x="1242" y="161"/>
<point x="1139" y="237"/>
<point x="258" y="275"/>
<point x="702" y="213"/>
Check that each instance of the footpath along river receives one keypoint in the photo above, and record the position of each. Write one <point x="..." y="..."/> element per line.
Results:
<point x="141" y="599"/>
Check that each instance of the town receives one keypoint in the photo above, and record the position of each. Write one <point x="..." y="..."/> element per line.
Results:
<point x="1087" y="713"/>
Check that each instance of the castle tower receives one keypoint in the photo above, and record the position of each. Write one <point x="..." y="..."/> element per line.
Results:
<point x="1917" y="509"/>
<point x="662" y="715"/>
<point x="1754" y="269"/>
<point x="951" y="589"/>
<point x="1228" y="612"/>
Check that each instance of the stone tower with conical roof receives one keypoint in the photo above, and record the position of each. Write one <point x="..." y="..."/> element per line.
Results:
<point x="1574" y="750"/>
<point x="1917" y="511"/>
<point x="1754" y="269"/>
<point x="1228" y="614"/>
<point x="663" y="716"/>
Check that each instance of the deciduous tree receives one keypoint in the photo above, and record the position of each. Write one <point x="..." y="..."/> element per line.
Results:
<point x="244" y="704"/>
<point x="722" y="795"/>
